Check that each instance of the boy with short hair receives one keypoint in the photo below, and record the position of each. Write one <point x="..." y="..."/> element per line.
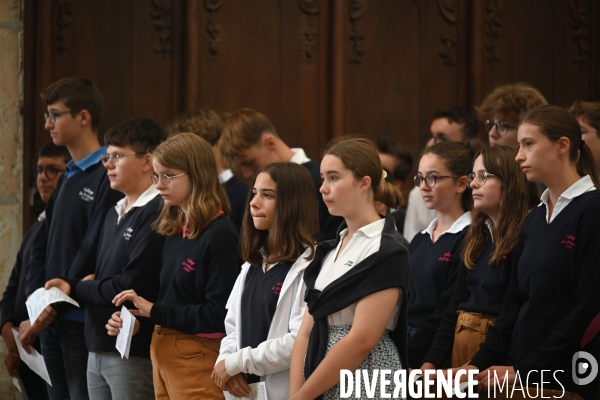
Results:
<point x="129" y="254"/>
<point x="250" y="140"/>
<point x="67" y="243"/>
<point x="51" y="164"/>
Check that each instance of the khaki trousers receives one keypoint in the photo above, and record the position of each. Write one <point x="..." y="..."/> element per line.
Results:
<point x="471" y="330"/>
<point x="182" y="365"/>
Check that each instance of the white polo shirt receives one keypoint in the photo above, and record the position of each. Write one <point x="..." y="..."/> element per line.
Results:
<point x="362" y="244"/>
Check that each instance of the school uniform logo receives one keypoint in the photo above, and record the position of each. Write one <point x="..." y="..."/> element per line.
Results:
<point x="188" y="265"/>
<point x="349" y="263"/>
<point x="569" y="241"/>
<point x="86" y="194"/>
<point x="447" y="257"/>
<point x="128" y="233"/>
<point x="276" y="289"/>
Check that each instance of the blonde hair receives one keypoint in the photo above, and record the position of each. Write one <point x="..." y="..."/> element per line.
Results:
<point x="511" y="101"/>
<point x="193" y="155"/>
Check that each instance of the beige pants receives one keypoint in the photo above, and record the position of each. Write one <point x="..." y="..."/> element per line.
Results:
<point x="471" y="330"/>
<point x="182" y="365"/>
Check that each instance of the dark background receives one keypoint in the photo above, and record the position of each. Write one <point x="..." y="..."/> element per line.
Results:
<point x="317" y="68"/>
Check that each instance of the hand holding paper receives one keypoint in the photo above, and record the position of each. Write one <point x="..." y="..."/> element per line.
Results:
<point x="124" y="337"/>
<point x="42" y="298"/>
<point x="258" y="391"/>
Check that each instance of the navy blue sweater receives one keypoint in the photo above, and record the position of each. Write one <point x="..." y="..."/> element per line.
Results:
<point x="237" y="192"/>
<point x="552" y="297"/>
<point x="328" y="223"/>
<point x="12" y="306"/>
<point x="478" y="290"/>
<point x="128" y="258"/>
<point x="433" y="269"/>
<point x="67" y="243"/>
<point x="197" y="278"/>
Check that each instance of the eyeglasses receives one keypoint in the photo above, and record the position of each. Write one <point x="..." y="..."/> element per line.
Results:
<point x="501" y="127"/>
<point x="165" y="179"/>
<point x="116" y="157"/>
<point x="431" y="180"/>
<point x="52" y="115"/>
<point x="49" y="171"/>
<point x="481" y="176"/>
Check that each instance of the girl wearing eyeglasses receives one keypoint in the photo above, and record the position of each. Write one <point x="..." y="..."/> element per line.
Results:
<point x="502" y="198"/>
<point x="553" y="296"/>
<point x="266" y="306"/>
<point x="200" y="263"/>
<point x="435" y="252"/>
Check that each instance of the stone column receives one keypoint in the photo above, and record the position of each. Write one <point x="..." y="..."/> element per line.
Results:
<point x="11" y="151"/>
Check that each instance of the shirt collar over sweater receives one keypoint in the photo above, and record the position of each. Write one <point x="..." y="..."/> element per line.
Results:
<point x="144" y="199"/>
<point x="299" y="156"/>
<point x="580" y="187"/>
<point x="456" y="227"/>
<point x="92" y="159"/>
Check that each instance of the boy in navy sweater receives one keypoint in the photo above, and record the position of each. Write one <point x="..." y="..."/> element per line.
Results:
<point x="250" y="140"/>
<point x="51" y="164"/>
<point x="67" y="243"/>
<point x="128" y="258"/>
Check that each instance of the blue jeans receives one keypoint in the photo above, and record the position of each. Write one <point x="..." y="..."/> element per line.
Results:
<point x="112" y="377"/>
<point x="65" y="354"/>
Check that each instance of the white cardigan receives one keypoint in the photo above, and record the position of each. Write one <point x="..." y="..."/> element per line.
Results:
<point x="271" y="359"/>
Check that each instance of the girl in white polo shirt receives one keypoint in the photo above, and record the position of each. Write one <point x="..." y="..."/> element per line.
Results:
<point x="356" y="284"/>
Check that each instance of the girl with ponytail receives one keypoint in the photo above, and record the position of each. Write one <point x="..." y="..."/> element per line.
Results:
<point x="356" y="284"/>
<point x="553" y="294"/>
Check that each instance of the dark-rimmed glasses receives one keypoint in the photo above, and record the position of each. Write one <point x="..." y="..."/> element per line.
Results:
<point x="431" y="180"/>
<point x="481" y="176"/>
<point x="116" y="157"/>
<point x="49" y="171"/>
<point x="501" y="127"/>
<point x="165" y="179"/>
<point x="53" y="114"/>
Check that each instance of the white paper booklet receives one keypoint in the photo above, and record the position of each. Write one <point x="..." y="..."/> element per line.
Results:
<point x="42" y="298"/>
<point x="258" y="391"/>
<point x="34" y="361"/>
<point x="125" y="333"/>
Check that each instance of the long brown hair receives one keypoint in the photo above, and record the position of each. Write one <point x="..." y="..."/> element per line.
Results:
<point x="193" y="155"/>
<point x="517" y="197"/>
<point x="296" y="222"/>
<point x="359" y="155"/>
<point x="555" y="122"/>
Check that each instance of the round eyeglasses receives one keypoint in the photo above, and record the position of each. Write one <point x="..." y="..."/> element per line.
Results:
<point x="431" y="180"/>
<point x="49" y="171"/>
<point x="165" y="179"/>
<point x="501" y="127"/>
<point x="481" y="176"/>
<point x="52" y="115"/>
<point x="116" y="157"/>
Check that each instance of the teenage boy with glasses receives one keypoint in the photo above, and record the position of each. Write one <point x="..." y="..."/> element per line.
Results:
<point x="129" y="254"/>
<point x="67" y="243"/>
<point x="51" y="164"/>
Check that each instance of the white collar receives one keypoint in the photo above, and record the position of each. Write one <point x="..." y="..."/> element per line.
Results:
<point x="580" y="187"/>
<point x="225" y="176"/>
<point x="456" y="227"/>
<point x="490" y="225"/>
<point x="141" y="201"/>
<point x="371" y="230"/>
<point x="42" y="216"/>
<point x="299" y="156"/>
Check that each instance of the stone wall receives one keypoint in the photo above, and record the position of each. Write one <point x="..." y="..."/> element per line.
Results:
<point x="11" y="151"/>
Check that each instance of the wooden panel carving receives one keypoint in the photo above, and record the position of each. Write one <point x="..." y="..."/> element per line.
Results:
<point x="493" y="28"/>
<point x="579" y="28"/>
<point x="63" y="22"/>
<point x="357" y="11"/>
<point x="449" y="39"/>
<point x="161" y="20"/>
<point x="309" y="33"/>
<point x="213" y="40"/>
